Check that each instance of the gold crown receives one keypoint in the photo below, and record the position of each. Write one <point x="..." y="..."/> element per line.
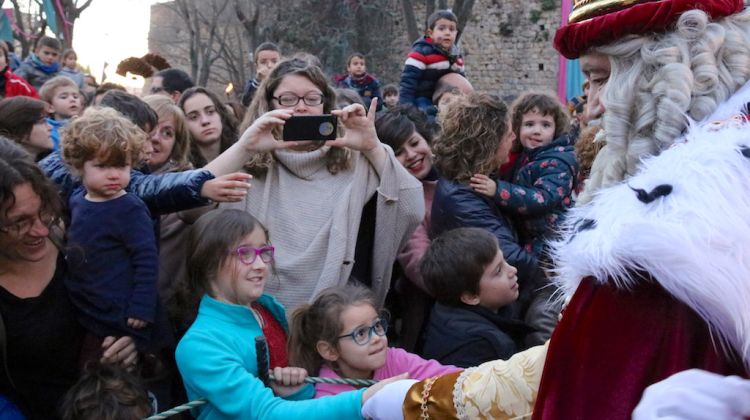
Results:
<point x="587" y="9"/>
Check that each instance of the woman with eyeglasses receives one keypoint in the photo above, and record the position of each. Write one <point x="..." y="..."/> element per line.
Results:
<point x="24" y="120"/>
<point x="336" y="209"/>
<point x="342" y="335"/>
<point x="229" y="260"/>
<point x="40" y="328"/>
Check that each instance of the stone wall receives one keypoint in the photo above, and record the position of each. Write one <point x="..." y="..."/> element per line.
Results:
<point x="507" y="44"/>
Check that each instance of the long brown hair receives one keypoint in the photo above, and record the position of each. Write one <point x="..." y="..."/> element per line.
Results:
<point x="210" y="243"/>
<point x="337" y="159"/>
<point x="228" y="124"/>
<point x="473" y="128"/>
<point x="18" y="116"/>
<point x="321" y="321"/>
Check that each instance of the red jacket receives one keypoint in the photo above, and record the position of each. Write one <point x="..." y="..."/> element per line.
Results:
<point x="18" y="86"/>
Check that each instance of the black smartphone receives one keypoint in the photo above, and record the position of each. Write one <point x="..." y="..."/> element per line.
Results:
<point x="310" y="127"/>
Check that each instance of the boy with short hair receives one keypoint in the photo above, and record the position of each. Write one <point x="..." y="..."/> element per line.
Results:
<point x="390" y="95"/>
<point x="65" y="100"/>
<point x="265" y="57"/>
<point x="358" y="79"/>
<point x="474" y="287"/>
<point x="432" y="57"/>
<point x="112" y="255"/>
<point x="43" y="64"/>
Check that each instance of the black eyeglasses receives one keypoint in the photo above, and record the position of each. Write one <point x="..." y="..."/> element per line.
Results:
<point x="290" y="99"/>
<point x="156" y="89"/>
<point x="363" y="335"/>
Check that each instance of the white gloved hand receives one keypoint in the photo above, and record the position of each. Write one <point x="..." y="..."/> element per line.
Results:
<point x="386" y="404"/>
<point x="695" y="394"/>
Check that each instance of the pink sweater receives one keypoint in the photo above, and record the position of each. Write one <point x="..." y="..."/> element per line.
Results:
<point x="397" y="361"/>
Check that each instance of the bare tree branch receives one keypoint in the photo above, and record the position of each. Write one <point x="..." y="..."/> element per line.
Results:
<point x="411" y="20"/>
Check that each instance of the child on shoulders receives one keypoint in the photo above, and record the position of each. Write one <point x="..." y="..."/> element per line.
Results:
<point x="474" y="287"/>
<point x="358" y="79"/>
<point x="342" y="334"/>
<point x="65" y="101"/>
<point x="43" y="64"/>
<point x="432" y="57"/>
<point x="543" y="180"/>
<point x="111" y="244"/>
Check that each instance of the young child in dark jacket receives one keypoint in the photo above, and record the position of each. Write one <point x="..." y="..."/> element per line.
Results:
<point x="357" y="78"/>
<point x="432" y="57"/>
<point x="545" y="172"/>
<point x="112" y="251"/>
<point x="474" y="287"/>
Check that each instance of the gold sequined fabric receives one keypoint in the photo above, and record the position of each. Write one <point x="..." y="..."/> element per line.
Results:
<point x="587" y="9"/>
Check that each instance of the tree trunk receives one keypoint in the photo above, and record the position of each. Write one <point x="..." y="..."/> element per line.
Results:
<point x="410" y="20"/>
<point x="462" y="9"/>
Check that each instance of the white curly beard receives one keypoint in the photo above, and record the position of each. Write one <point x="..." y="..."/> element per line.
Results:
<point x="695" y="240"/>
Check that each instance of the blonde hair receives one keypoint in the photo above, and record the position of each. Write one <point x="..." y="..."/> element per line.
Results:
<point x="473" y="127"/>
<point x="658" y="80"/>
<point x="47" y="91"/>
<point x="166" y="108"/>
<point x="105" y="134"/>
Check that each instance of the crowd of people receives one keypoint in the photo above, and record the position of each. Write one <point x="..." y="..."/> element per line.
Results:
<point x="174" y="247"/>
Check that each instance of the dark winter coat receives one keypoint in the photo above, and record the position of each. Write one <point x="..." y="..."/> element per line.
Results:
<point x="456" y="205"/>
<point x="541" y="191"/>
<point x="468" y="335"/>
<point x="367" y="87"/>
<point x="35" y="74"/>
<point x="425" y="65"/>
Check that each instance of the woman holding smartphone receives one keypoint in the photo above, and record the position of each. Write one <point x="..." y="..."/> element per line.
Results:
<point x="337" y="209"/>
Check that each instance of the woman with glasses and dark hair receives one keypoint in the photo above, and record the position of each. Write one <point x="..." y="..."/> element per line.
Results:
<point x="43" y="337"/>
<point x="24" y="120"/>
<point x="336" y="209"/>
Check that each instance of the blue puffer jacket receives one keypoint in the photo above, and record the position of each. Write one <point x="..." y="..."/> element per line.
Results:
<point x="425" y="65"/>
<point x="456" y="205"/>
<point x="541" y="191"/>
<point x="163" y="193"/>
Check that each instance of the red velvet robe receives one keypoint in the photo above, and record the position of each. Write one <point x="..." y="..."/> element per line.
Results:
<point x="611" y="344"/>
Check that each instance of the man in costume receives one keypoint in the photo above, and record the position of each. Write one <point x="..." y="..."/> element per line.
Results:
<point x="658" y="263"/>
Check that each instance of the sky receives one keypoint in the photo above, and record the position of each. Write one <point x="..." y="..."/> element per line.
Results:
<point x="109" y="31"/>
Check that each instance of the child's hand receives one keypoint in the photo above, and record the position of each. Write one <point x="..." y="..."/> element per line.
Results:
<point x="136" y="323"/>
<point x="227" y="188"/>
<point x="483" y="185"/>
<point x="288" y="380"/>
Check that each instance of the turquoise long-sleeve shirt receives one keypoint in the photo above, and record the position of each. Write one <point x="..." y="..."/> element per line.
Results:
<point x="217" y="360"/>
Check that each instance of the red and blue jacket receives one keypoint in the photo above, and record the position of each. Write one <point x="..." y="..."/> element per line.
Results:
<point x="425" y="65"/>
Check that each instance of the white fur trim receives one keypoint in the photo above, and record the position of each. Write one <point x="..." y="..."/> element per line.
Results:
<point x="695" y="241"/>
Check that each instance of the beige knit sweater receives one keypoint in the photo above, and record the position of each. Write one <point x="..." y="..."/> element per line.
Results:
<point x="313" y="218"/>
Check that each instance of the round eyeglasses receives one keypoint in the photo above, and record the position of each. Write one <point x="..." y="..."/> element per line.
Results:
<point x="24" y="226"/>
<point x="290" y="99"/>
<point x="248" y="254"/>
<point x="363" y="335"/>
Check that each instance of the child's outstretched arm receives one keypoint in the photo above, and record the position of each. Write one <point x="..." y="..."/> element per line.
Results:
<point x="550" y="190"/>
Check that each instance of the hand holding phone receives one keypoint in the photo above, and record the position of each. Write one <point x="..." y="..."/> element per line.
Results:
<point x="311" y="128"/>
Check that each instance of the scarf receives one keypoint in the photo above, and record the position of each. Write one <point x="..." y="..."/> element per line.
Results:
<point x="46" y="68"/>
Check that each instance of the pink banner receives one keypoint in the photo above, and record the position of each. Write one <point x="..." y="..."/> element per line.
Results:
<point x="562" y="74"/>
